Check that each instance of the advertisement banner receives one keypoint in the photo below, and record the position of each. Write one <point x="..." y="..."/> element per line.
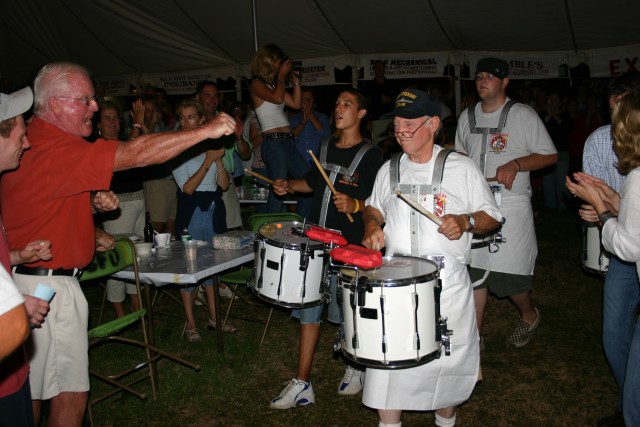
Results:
<point x="407" y="66"/>
<point x="612" y="61"/>
<point x="315" y="72"/>
<point x="181" y="82"/>
<point x="524" y="66"/>
<point x="112" y="86"/>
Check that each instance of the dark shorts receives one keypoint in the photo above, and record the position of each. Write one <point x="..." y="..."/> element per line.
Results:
<point x="501" y="284"/>
<point x="15" y="409"/>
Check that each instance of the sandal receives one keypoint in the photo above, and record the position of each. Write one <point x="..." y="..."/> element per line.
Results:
<point x="211" y="325"/>
<point x="192" y="335"/>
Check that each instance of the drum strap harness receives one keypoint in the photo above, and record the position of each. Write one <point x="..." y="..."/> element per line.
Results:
<point x="485" y="132"/>
<point x="414" y="191"/>
<point x="335" y="170"/>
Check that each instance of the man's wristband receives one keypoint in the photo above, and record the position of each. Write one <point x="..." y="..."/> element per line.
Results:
<point x="605" y="216"/>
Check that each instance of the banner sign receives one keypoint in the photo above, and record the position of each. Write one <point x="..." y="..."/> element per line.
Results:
<point x="112" y="86"/>
<point x="609" y="62"/>
<point x="181" y="82"/>
<point x="314" y="72"/>
<point x="407" y="66"/>
<point x="530" y="66"/>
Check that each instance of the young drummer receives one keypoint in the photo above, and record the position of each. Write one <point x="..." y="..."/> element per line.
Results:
<point x="359" y="162"/>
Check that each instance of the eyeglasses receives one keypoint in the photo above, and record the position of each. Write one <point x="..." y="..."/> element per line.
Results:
<point x="188" y="117"/>
<point x="407" y="134"/>
<point x="86" y="100"/>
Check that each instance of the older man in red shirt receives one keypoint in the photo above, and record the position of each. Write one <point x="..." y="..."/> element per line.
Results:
<point x="53" y="194"/>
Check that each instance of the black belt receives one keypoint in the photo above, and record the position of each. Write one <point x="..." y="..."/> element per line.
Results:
<point x="41" y="271"/>
<point x="279" y="135"/>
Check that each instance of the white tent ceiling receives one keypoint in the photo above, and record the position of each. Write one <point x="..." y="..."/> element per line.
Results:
<point x="116" y="37"/>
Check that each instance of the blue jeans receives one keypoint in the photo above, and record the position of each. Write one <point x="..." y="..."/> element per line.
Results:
<point x="201" y="228"/>
<point x="313" y="315"/>
<point x="621" y="334"/>
<point x="282" y="160"/>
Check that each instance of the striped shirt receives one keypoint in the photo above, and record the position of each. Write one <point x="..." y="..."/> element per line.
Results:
<point x="600" y="160"/>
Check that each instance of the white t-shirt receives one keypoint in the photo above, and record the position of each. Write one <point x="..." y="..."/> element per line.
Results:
<point x="10" y="297"/>
<point x="523" y="134"/>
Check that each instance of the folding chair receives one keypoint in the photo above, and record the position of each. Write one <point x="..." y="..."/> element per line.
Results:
<point x="241" y="277"/>
<point x="105" y="264"/>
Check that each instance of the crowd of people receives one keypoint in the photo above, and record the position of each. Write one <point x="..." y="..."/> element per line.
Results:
<point x="83" y="170"/>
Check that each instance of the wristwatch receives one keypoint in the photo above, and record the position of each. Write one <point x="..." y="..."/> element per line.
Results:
<point x="472" y="222"/>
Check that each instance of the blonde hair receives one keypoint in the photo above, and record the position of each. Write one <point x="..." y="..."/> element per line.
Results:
<point x="263" y="62"/>
<point x="625" y="129"/>
<point x="190" y="102"/>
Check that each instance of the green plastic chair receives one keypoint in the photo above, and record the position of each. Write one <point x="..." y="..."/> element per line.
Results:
<point x="241" y="277"/>
<point x="105" y="264"/>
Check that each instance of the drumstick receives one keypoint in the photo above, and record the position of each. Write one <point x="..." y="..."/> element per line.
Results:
<point x="326" y="179"/>
<point x="419" y="208"/>
<point x="493" y="178"/>
<point x="265" y="179"/>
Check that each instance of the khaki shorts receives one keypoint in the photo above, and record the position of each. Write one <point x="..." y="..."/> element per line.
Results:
<point x="160" y="199"/>
<point x="58" y="351"/>
<point x="232" y="206"/>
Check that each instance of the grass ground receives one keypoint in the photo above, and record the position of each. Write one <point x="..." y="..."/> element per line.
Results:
<point x="559" y="379"/>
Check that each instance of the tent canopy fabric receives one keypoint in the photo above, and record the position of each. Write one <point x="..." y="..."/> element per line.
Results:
<point x="118" y="37"/>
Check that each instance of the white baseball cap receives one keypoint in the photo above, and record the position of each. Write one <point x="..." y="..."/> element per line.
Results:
<point x="15" y="104"/>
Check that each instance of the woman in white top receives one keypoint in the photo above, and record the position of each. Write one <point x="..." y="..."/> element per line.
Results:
<point x="199" y="175"/>
<point x="619" y="216"/>
<point x="271" y="70"/>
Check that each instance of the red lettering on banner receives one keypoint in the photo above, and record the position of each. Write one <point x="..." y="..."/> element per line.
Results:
<point x="632" y="63"/>
<point x="613" y="67"/>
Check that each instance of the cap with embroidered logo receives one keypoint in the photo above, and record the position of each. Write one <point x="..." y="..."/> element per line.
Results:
<point x="16" y="103"/>
<point x="413" y="103"/>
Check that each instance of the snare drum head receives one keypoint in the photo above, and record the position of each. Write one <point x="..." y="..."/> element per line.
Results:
<point x="397" y="270"/>
<point x="285" y="234"/>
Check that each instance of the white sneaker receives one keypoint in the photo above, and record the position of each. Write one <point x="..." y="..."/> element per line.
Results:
<point x="352" y="382"/>
<point x="226" y="292"/>
<point x="295" y="393"/>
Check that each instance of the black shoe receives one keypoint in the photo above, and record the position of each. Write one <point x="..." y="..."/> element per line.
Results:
<point x="615" y="420"/>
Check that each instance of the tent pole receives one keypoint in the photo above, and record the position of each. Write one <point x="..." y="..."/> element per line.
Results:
<point x="255" y="25"/>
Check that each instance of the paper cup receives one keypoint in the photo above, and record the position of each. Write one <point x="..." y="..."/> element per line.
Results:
<point x="44" y="293"/>
<point x="163" y="239"/>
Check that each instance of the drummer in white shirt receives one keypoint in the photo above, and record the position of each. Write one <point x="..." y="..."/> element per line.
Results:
<point x="466" y="206"/>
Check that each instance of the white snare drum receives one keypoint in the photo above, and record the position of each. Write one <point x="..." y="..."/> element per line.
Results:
<point x="594" y="257"/>
<point x="289" y="268"/>
<point x="391" y="316"/>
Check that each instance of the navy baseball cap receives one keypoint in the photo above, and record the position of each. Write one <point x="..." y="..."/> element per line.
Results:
<point x="497" y="67"/>
<point x="413" y="103"/>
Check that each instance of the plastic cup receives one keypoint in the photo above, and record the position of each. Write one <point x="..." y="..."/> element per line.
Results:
<point x="163" y="239"/>
<point x="190" y="249"/>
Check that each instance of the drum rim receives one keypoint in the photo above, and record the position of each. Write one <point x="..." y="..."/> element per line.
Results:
<point x="285" y="304"/>
<point x="426" y="278"/>
<point x="313" y="244"/>
<point x="396" y="364"/>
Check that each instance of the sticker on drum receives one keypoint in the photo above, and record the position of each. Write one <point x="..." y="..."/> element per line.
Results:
<point x="391" y="313"/>
<point x="289" y="268"/>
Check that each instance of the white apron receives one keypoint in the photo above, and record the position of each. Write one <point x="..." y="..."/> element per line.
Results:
<point x="449" y="380"/>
